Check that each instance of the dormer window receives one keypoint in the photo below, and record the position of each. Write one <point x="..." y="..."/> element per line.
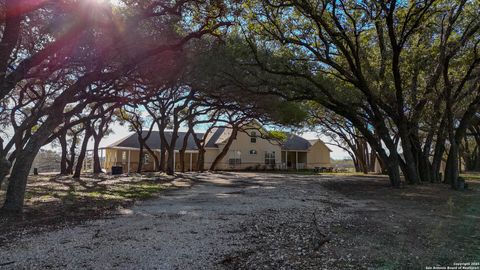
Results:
<point x="253" y="137"/>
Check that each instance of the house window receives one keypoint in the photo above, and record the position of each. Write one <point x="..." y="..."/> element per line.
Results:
<point x="253" y="152"/>
<point x="270" y="158"/>
<point x="146" y="158"/>
<point x="234" y="161"/>
<point x="235" y="158"/>
<point x="124" y="156"/>
<point x="253" y="137"/>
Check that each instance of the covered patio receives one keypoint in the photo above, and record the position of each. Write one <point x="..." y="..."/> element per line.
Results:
<point x="294" y="160"/>
<point x="128" y="159"/>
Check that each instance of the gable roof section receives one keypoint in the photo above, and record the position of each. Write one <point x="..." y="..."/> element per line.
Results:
<point x="313" y="142"/>
<point x="214" y="137"/>
<point x="295" y="142"/>
<point x="154" y="142"/>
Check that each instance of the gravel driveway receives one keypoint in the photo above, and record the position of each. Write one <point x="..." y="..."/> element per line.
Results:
<point x="190" y="228"/>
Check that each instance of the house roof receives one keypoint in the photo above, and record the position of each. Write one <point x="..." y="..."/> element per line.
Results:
<point x="295" y="142"/>
<point x="312" y="142"/>
<point x="215" y="137"/>
<point x="154" y="142"/>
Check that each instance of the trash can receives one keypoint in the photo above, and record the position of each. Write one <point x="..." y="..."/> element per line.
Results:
<point x="116" y="170"/>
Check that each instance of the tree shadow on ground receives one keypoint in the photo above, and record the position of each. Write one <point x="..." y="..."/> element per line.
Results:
<point x="55" y="200"/>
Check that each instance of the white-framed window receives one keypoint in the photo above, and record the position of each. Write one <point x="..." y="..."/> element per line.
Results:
<point x="253" y="137"/>
<point x="253" y="152"/>
<point x="124" y="156"/>
<point x="234" y="161"/>
<point x="235" y="158"/>
<point x="270" y="158"/>
<point x="146" y="158"/>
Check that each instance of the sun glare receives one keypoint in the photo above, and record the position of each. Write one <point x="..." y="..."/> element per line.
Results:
<point x="111" y="2"/>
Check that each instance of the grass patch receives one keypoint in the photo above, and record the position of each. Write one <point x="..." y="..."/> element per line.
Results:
<point x="310" y="172"/>
<point x="471" y="176"/>
<point x="467" y="208"/>
<point x="141" y="190"/>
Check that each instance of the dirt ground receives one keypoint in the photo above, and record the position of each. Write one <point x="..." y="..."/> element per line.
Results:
<point x="53" y="201"/>
<point x="253" y="221"/>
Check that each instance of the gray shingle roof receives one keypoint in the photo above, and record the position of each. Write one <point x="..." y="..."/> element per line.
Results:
<point x="154" y="140"/>
<point x="214" y="135"/>
<point x="295" y="142"/>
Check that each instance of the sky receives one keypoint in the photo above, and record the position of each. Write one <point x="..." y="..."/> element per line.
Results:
<point x="120" y="132"/>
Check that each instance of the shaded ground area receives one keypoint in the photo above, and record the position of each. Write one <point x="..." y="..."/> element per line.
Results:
<point x="53" y="201"/>
<point x="265" y="221"/>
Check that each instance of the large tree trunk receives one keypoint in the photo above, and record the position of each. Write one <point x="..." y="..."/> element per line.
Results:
<point x="362" y="156"/>
<point x="63" y="160"/>
<point x="391" y="163"/>
<point x="141" y="158"/>
<point x="97" y="168"/>
<point x="183" y="150"/>
<point x="82" y="154"/>
<point x="154" y="156"/>
<point x="163" y="153"/>
<point x="355" y="163"/>
<point x="11" y="22"/>
<point x="476" y="162"/>
<point x="438" y="153"/>
<point x="424" y="167"/>
<point x="181" y="159"/>
<point x="393" y="172"/>
<point x="71" y="162"/>
<point x="18" y="178"/>
<point x="171" y="153"/>
<point x="201" y="160"/>
<point x="451" y="168"/>
<point x="225" y="149"/>
<point x="163" y="149"/>
<point x="23" y="163"/>
<point x="410" y="165"/>
<point x="4" y="168"/>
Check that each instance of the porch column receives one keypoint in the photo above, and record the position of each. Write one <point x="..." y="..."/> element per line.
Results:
<point x="296" y="160"/>
<point x="101" y="158"/>
<point x="173" y="160"/>
<point x="154" y="163"/>
<point x="128" y="164"/>
<point x="105" y="159"/>
<point x="191" y="154"/>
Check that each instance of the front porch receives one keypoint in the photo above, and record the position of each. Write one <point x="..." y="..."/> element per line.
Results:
<point x="294" y="160"/>
<point x="129" y="158"/>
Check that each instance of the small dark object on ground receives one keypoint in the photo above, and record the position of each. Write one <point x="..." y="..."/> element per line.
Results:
<point x="117" y="170"/>
<point x="323" y="169"/>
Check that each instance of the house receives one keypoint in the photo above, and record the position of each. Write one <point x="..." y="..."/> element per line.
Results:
<point x="249" y="150"/>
